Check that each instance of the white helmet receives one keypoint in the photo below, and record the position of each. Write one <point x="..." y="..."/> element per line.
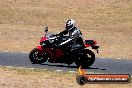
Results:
<point x="70" y="24"/>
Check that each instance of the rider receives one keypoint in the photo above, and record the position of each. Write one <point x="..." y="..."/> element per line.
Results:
<point x="74" y="34"/>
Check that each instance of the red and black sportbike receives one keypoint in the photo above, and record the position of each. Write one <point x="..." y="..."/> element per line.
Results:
<point x="49" y="51"/>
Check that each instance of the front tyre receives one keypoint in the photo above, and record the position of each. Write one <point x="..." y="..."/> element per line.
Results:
<point x="86" y="60"/>
<point x="37" y="57"/>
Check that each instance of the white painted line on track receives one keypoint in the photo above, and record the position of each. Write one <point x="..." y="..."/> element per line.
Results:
<point x="20" y="67"/>
<point x="71" y="71"/>
<point x="34" y="68"/>
<point x="118" y="58"/>
<point x="58" y="70"/>
<point x="114" y="58"/>
<point x="4" y="51"/>
<point x="25" y="68"/>
<point x="17" y="67"/>
<point x="9" y="66"/>
<point x="12" y="51"/>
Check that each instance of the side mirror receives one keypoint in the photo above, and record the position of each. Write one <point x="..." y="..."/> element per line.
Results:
<point x="46" y="29"/>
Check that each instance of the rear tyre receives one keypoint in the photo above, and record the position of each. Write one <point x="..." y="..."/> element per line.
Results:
<point x="86" y="60"/>
<point x="37" y="57"/>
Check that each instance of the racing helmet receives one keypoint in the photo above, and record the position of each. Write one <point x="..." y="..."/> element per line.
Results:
<point x="70" y="24"/>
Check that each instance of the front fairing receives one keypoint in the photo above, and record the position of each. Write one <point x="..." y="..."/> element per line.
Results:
<point x="49" y="35"/>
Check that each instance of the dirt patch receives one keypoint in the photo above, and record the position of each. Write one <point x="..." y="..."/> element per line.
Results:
<point x="27" y="78"/>
<point x="107" y="21"/>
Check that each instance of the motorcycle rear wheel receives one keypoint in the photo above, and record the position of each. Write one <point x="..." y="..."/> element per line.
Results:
<point x="86" y="60"/>
<point x="37" y="57"/>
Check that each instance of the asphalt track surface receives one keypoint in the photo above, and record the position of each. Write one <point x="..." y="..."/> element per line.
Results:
<point x="101" y="65"/>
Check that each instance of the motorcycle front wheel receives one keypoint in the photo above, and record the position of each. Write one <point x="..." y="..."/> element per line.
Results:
<point x="37" y="57"/>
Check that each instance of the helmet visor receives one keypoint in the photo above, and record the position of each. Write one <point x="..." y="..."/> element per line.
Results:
<point x="68" y="26"/>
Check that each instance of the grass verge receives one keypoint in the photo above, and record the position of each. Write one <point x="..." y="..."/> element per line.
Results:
<point x="13" y="77"/>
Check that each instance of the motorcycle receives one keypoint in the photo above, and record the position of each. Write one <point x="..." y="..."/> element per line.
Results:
<point x="48" y="50"/>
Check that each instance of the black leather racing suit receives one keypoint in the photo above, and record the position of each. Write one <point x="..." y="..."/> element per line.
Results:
<point x="74" y="37"/>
